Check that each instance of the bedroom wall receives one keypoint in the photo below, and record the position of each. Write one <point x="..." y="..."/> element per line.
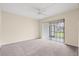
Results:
<point x="71" y="25"/>
<point x="78" y="33"/>
<point x="0" y="27"/>
<point x="18" y="28"/>
<point x="45" y="30"/>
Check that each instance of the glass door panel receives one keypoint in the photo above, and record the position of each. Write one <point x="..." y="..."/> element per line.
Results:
<point x="57" y="30"/>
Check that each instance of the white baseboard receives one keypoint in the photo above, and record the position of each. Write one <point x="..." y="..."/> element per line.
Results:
<point x="15" y="42"/>
<point x="71" y="45"/>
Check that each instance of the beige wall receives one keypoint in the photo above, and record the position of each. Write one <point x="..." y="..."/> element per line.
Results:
<point x="18" y="28"/>
<point x="71" y="25"/>
<point x="78" y="35"/>
<point x="0" y="26"/>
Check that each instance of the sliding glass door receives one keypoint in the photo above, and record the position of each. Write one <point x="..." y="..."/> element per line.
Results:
<point x="56" y="30"/>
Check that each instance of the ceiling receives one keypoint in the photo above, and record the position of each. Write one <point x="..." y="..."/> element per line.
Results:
<point x="38" y="10"/>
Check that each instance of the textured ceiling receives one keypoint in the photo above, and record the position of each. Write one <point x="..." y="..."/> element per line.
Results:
<point x="38" y="10"/>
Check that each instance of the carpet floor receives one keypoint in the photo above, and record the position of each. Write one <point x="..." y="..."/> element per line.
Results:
<point x="38" y="47"/>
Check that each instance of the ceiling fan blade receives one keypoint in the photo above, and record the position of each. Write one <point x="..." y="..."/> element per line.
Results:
<point x="43" y="14"/>
<point x="38" y="9"/>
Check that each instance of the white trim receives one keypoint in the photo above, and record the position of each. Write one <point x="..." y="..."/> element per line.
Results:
<point x="71" y="44"/>
<point x="16" y="41"/>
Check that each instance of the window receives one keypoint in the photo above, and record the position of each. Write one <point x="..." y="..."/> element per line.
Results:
<point x="56" y="30"/>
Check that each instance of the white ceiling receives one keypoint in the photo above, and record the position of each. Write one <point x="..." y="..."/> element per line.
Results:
<point x="32" y="9"/>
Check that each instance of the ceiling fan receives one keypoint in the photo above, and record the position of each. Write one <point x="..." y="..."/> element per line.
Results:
<point x="41" y="11"/>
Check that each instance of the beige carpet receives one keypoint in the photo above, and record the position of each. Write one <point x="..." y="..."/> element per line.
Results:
<point x="38" y="47"/>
